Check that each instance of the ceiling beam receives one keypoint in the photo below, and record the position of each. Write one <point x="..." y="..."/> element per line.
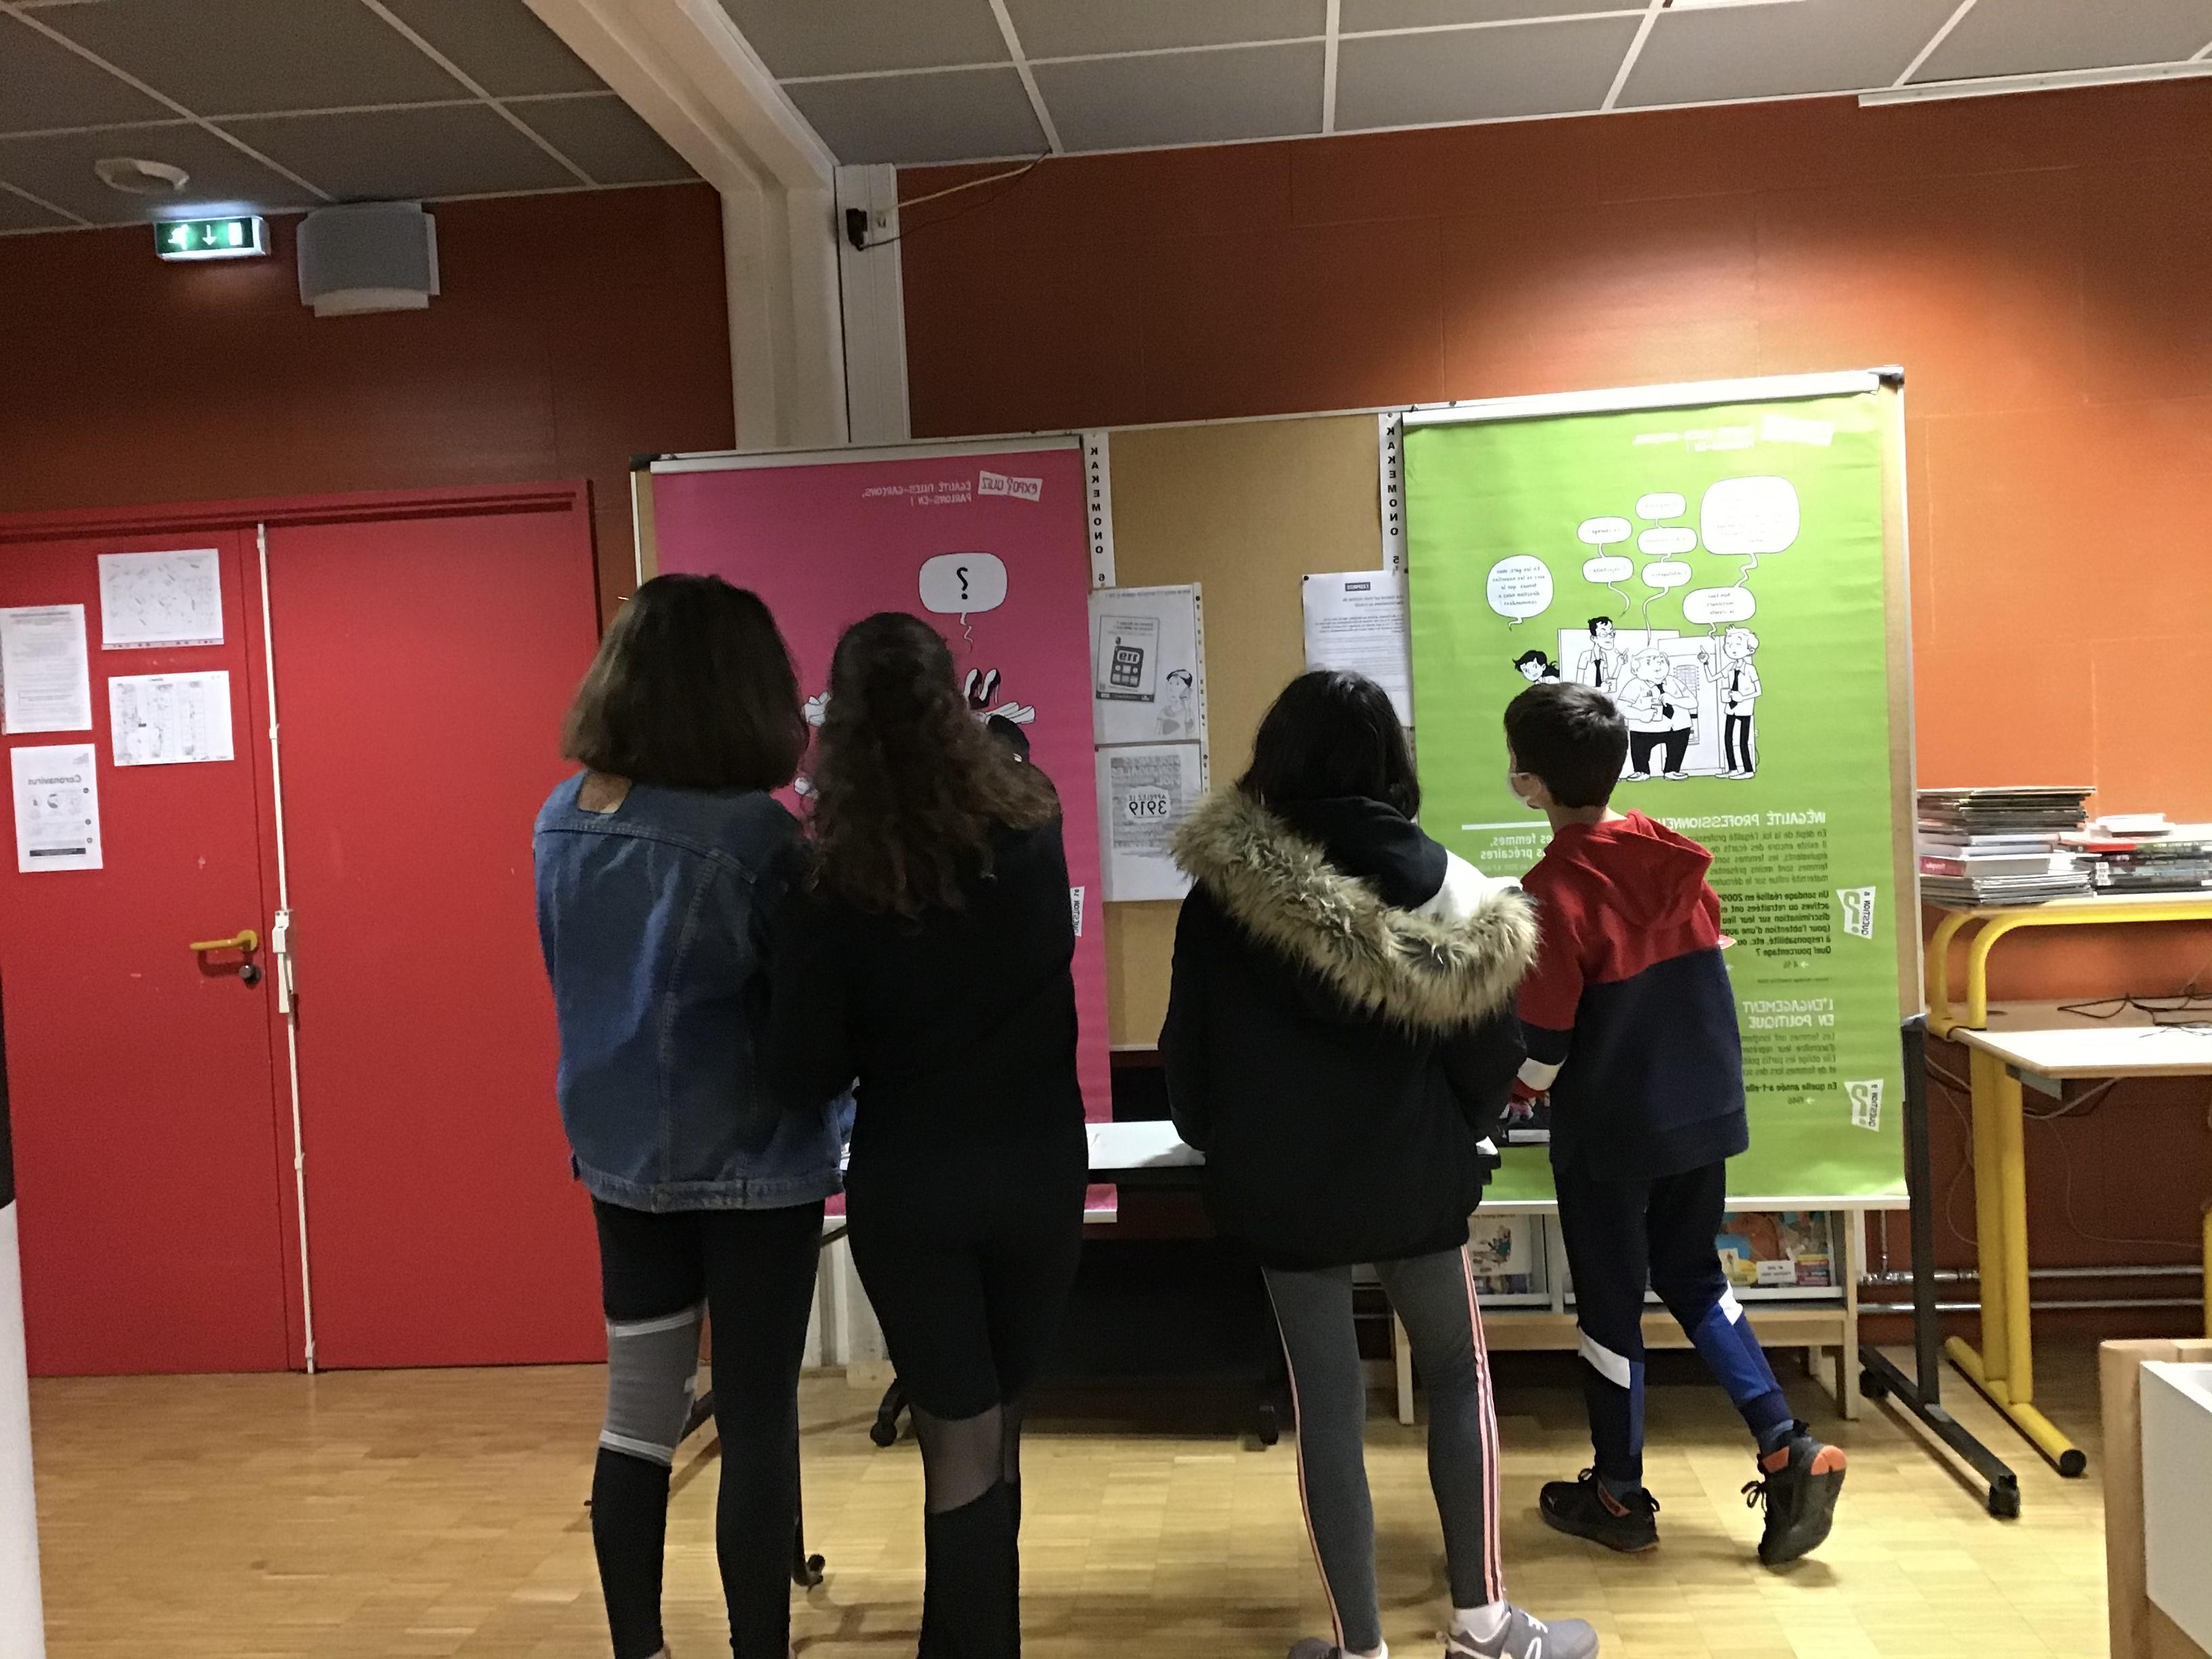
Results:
<point x="695" y="80"/>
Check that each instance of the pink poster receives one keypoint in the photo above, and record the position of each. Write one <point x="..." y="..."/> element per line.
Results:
<point x="991" y="546"/>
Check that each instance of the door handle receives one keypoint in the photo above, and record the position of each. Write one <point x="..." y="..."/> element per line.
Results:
<point x="245" y="942"/>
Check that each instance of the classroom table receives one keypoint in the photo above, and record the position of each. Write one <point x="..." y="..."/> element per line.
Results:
<point x="2041" y="1046"/>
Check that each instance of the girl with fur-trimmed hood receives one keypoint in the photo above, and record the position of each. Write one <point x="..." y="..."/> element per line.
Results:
<point x="1340" y="1042"/>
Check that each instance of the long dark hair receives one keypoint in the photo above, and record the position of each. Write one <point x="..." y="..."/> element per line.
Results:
<point x="1332" y="735"/>
<point x="692" y="688"/>
<point x="908" y="783"/>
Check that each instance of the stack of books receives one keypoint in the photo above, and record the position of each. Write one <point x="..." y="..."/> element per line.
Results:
<point x="1981" y="847"/>
<point x="2144" y="854"/>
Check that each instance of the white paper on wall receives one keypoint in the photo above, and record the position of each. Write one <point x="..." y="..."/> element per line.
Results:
<point x="170" y="719"/>
<point x="154" y="599"/>
<point x="46" y="684"/>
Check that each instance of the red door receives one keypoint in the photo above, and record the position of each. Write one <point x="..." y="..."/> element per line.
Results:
<point x="423" y="667"/>
<point x="149" y="1153"/>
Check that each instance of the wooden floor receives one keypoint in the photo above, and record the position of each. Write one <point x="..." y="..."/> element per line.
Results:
<point x="437" y="1513"/>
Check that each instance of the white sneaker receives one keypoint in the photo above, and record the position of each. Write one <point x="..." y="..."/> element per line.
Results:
<point x="1522" y="1636"/>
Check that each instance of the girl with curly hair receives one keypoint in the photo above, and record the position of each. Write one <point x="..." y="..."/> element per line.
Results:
<point x="929" y="955"/>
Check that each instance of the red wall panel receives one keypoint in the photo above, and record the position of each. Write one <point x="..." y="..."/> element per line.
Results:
<point x="574" y="330"/>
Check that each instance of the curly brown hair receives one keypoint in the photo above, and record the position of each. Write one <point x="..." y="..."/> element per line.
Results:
<point x="907" y="784"/>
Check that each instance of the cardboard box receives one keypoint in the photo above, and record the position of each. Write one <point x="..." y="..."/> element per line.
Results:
<point x="2140" y="1630"/>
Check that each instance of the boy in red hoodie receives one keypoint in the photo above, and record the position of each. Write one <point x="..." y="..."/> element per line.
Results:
<point x="1630" y="1024"/>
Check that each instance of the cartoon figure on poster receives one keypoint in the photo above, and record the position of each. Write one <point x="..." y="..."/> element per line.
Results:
<point x="1691" y="703"/>
<point x="960" y="585"/>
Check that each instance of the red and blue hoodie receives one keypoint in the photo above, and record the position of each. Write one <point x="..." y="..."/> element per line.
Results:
<point x="1629" y="1017"/>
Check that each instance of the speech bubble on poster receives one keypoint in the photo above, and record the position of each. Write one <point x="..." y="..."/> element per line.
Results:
<point x="1711" y="606"/>
<point x="1748" y="517"/>
<point x="1520" y="588"/>
<point x="1666" y="542"/>
<point x="1667" y="573"/>
<point x="1611" y="568"/>
<point x="962" y="584"/>
<point x="1660" y="505"/>
<point x="1604" y="533"/>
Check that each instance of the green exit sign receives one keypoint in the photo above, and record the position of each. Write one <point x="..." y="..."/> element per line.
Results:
<point x="211" y="239"/>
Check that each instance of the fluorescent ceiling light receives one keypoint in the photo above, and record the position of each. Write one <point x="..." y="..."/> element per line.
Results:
<point x="1996" y="86"/>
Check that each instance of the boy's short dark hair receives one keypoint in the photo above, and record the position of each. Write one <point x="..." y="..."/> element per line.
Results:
<point x="1597" y="623"/>
<point x="1570" y="738"/>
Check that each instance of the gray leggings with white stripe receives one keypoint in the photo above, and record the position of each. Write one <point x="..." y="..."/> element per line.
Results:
<point x="1434" y="1295"/>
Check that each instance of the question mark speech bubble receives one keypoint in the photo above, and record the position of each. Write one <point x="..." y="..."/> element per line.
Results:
<point x="1614" y="569"/>
<point x="1661" y="543"/>
<point x="1749" y="516"/>
<point x="1668" y="573"/>
<point x="1661" y="505"/>
<point x="1711" y="606"/>
<point x="962" y="584"/>
<point x="1520" y="588"/>
<point x="1604" y="533"/>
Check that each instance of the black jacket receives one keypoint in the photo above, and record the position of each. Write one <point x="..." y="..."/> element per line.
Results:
<point x="960" y="1027"/>
<point x="1339" y="1039"/>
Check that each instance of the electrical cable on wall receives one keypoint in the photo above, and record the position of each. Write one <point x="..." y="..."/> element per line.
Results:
<point x="856" y="219"/>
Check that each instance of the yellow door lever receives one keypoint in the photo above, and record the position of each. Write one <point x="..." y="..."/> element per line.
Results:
<point x="246" y="941"/>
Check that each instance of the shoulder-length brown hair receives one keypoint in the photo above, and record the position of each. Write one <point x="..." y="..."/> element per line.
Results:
<point x="692" y="688"/>
<point x="907" y="784"/>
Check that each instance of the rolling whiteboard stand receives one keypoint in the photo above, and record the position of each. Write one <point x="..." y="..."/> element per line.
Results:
<point x="1922" y="1393"/>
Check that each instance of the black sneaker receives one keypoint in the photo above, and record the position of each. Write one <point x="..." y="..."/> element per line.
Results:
<point x="1799" y="1486"/>
<point x="1584" y="1508"/>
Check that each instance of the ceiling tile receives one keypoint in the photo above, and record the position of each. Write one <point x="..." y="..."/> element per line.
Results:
<point x="2026" y="37"/>
<point x="240" y="56"/>
<point x="1476" y="75"/>
<point x="44" y="84"/>
<point x="962" y="116"/>
<point x="850" y="37"/>
<point x="60" y="169"/>
<point x="1362" y="14"/>
<point x="1767" y="51"/>
<point x="406" y="154"/>
<point x="1185" y="97"/>
<point x="1054" y="28"/>
<point x="499" y="43"/>
<point x="16" y="214"/>
<point x="605" y="137"/>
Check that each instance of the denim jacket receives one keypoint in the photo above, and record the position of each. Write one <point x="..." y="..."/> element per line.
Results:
<point x="652" y="917"/>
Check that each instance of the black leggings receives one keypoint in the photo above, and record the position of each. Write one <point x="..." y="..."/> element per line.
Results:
<point x="967" y="1264"/>
<point x="754" y="1271"/>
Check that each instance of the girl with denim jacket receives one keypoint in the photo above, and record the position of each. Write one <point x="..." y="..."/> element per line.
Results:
<point x="656" y="868"/>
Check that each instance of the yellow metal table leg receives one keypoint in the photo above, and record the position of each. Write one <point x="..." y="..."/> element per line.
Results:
<point x="2012" y="1198"/>
<point x="1987" y="1368"/>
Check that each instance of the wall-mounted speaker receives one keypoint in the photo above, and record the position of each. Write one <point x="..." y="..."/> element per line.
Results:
<point x="367" y="256"/>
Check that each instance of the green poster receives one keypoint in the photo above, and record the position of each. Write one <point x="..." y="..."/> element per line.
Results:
<point x="1719" y="571"/>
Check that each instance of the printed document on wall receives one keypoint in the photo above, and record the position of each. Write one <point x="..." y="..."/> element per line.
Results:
<point x="170" y="719"/>
<point x="1148" y="666"/>
<point x="56" y="799"/>
<point x="150" y="600"/>
<point x="46" y="684"/>
<point x="1144" y="792"/>
<point x="1357" y="621"/>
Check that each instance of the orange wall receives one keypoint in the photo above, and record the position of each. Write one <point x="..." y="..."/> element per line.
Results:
<point x="572" y="332"/>
<point x="2041" y="265"/>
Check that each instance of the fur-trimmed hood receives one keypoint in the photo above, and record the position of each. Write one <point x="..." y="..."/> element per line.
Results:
<point x="1452" y="964"/>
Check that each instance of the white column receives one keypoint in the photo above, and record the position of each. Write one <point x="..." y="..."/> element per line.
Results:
<point x="685" y="68"/>
<point x="22" y="1627"/>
